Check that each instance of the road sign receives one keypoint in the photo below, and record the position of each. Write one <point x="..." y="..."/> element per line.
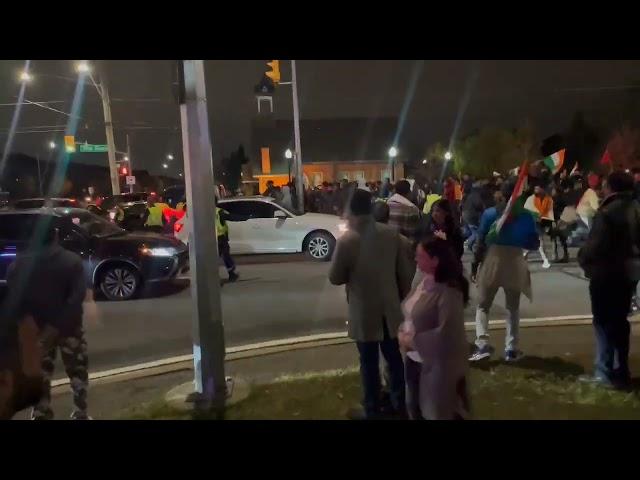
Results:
<point x="88" y="148"/>
<point x="131" y="180"/>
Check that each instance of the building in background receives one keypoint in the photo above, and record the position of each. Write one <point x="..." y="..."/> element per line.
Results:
<point x="332" y="149"/>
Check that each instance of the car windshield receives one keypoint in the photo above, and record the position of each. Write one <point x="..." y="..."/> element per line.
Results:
<point x="91" y="224"/>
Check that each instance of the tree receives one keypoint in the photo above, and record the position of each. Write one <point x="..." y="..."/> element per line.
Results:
<point x="494" y="150"/>
<point x="624" y="148"/>
<point x="582" y="144"/>
<point x="232" y="166"/>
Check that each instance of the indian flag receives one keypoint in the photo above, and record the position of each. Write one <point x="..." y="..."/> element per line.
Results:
<point x="516" y="204"/>
<point x="554" y="162"/>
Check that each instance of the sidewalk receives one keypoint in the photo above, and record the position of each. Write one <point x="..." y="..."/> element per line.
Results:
<point x="570" y="346"/>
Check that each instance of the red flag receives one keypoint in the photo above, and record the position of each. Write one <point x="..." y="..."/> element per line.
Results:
<point x="606" y="158"/>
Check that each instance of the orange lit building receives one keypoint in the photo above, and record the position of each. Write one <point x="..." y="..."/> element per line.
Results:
<point x="332" y="149"/>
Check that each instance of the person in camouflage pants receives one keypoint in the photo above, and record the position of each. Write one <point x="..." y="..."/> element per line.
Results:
<point x="73" y="350"/>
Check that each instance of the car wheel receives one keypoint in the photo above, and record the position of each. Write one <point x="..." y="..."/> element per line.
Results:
<point x="119" y="282"/>
<point x="320" y="246"/>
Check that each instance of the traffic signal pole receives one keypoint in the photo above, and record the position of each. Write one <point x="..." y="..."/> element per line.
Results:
<point x="108" y="125"/>
<point x="208" y="330"/>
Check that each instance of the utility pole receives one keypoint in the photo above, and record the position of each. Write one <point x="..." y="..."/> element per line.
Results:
<point x="130" y="167"/>
<point x="208" y="330"/>
<point x="108" y="125"/>
<point x="39" y="175"/>
<point x="296" y="134"/>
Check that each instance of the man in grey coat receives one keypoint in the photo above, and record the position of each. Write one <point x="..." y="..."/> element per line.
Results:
<point x="371" y="261"/>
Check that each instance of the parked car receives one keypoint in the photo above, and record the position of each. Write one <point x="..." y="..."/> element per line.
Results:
<point x="274" y="229"/>
<point x="29" y="203"/>
<point x="117" y="263"/>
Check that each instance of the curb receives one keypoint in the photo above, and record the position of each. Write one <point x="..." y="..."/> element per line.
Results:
<point x="271" y="347"/>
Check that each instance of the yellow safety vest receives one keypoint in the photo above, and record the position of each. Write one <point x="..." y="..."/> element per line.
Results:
<point x="180" y="206"/>
<point x="431" y="199"/>
<point x="220" y="228"/>
<point x="155" y="217"/>
<point x="119" y="214"/>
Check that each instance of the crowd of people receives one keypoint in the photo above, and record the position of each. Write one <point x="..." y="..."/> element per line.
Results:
<point x="401" y="263"/>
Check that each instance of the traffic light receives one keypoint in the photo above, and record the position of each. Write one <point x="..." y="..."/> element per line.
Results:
<point x="69" y="143"/>
<point x="124" y="171"/>
<point x="274" y="74"/>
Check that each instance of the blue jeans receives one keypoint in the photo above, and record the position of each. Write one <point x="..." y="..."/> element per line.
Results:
<point x="470" y="233"/>
<point x="610" y="302"/>
<point x="370" y="373"/>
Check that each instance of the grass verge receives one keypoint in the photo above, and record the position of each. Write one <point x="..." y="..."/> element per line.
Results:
<point x="533" y="389"/>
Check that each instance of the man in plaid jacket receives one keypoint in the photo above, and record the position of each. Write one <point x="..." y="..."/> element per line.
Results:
<point x="404" y="216"/>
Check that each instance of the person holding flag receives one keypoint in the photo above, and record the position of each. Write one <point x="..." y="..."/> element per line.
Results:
<point x="541" y="205"/>
<point x="504" y="231"/>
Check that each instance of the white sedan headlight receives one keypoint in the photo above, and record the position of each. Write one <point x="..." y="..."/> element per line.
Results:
<point x="343" y="227"/>
<point x="159" y="251"/>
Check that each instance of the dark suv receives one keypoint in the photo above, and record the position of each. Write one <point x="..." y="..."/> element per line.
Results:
<point x="116" y="262"/>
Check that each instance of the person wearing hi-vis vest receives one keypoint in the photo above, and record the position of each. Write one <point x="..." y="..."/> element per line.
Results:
<point x="153" y="218"/>
<point x="222" y="230"/>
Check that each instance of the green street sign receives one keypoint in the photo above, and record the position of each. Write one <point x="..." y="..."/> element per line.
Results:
<point x="88" y="148"/>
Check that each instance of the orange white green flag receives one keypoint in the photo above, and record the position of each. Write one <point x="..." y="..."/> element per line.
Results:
<point x="555" y="161"/>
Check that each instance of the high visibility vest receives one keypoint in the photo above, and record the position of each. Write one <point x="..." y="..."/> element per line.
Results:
<point x="155" y="217"/>
<point x="431" y="199"/>
<point x="220" y="228"/>
<point x="119" y="214"/>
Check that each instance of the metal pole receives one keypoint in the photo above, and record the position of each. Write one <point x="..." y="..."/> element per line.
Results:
<point x="106" y="107"/>
<point x="129" y="157"/>
<point x="208" y="329"/>
<point x="296" y="134"/>
<point x="39" y="175"/>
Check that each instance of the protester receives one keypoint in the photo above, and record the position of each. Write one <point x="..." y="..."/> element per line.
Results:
<point x="287" y="200"/>
<point x="541" y="204"/>
<point x="404" y="216"/>
<point x="590" y="201"/>
<point x="472" y="208"/>
<point x="611" y="260"/>
<point x="501" y="265"/>
<point x="433" y="334"/>
<point x="48" y="283"/>
<point x="385" y="189"/>
<point x="369" y="259"/>
<point x="442" y="223"/>
<point x="564" y="210"/>
<point x="270" y="189"/>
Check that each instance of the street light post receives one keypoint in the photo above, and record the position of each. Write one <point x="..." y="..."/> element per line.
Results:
<point x="393" y="152"/>
<point x="111" y="143"/>
<point x="296" y="134"/>
<point x="208" y="331"/>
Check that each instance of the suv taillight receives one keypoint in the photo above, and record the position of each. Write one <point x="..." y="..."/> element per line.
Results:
<point x="177" y="227"/>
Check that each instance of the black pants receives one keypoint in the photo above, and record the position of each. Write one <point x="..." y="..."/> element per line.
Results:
<point x="370" y="373"/>
<point x="225" y="252"/>
<point x="610" y="302"/>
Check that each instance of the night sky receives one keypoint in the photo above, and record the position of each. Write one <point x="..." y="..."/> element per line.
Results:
<point x="499" y="93"/>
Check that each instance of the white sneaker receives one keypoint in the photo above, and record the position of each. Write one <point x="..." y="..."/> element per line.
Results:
<point x="546" y="264"/>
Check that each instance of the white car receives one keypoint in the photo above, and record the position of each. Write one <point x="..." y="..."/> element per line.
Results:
<point x="274" y="229"/>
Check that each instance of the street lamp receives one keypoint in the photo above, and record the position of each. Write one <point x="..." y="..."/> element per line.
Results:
<point x="26" y="77"/>
<point x="288" y="154"/>
<point x="424" y="161"/>
<point x="393" y="152"/>
<point x="126" y="159"/>
<point x="448" y="156"/>
<point x="83" y="67"/>
<point x="165" y="165"/>
<point x="52" y="145"/>
<point x="169" y="157"/>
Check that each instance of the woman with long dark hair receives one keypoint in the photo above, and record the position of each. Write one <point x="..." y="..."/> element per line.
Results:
<point x="442" y="222"/>
<point x="434" y="338"/>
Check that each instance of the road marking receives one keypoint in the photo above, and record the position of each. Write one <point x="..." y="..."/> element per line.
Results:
<point x="557" y="321"/>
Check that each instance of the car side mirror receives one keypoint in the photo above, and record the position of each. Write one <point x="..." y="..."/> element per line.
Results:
<point x="280" y="215"/>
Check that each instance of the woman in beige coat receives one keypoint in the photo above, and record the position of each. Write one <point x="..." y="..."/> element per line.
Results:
<point x="433" y="336"/>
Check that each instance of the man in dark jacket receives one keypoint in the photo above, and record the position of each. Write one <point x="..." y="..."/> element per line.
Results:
<point x="611" y="261"/>
<point x="48" y="283"/>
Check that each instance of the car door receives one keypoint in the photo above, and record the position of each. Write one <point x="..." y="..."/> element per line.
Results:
<point x="238" y="231"/>
<point x="11" y="240"/>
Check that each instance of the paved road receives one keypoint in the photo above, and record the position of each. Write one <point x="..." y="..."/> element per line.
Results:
<point x="271" y="301"/>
